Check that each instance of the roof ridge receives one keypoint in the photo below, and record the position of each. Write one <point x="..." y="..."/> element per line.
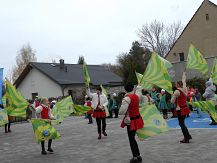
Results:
<point x="64" y="63"/>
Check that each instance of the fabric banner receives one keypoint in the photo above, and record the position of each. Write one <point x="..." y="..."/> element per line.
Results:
<point x="43" y="130"/>
<point x="154" y="123"/>
<point x="17" y="105"/>
<point x="3" y="117"/>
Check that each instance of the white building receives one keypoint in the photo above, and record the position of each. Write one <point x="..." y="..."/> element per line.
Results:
<point x="60" y="79"/>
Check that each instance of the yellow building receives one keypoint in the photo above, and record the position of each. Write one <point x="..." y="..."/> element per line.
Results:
<point x="201" y="31"/>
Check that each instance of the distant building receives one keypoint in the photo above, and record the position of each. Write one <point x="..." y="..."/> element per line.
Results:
<point x="201" y="31"/>
<point x="60" y="79"/>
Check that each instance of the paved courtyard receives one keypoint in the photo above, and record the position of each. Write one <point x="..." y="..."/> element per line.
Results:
<point x="79" y="144"/>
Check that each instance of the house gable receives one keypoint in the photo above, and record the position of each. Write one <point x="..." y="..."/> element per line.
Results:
<point x="200" y="31"/>
<point x="36" y="82"/>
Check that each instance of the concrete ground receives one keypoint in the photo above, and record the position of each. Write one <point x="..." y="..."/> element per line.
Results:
<point x="79" y="144"/>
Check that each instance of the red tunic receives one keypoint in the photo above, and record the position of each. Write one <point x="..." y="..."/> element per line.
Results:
<point x="45" y="113"/>
<point x="88" y="103"/>
<point x="37" y="103"/>
<point x="134" y="114"/>
<point x="181" y="101"/>
<point x="99" y="113"/>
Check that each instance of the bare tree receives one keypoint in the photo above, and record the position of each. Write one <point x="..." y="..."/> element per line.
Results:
<point x="25" y="55"/>
<point x="158" y="37"/>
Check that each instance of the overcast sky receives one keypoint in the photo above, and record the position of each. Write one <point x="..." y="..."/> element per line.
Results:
<point x="97" y="29"/>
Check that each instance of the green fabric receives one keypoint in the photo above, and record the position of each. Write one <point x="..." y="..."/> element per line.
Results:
<point x="43" y="130"/>
<point x="17" y="105"/>
<point x="80" y="109"/>
<point x="86" y="75"/>
<point x="154" y="123"/>
<point x="144" y="85"/>
<point x="214" y="71"/>
<point x="196" y="61"/>
<point x="206" y="106"/>
<point x="104" y="90"/>
<point x="167" y="64"/>
<point x="62" y="109"/>
<point x="156" y="73"/>
<point x="3" y="117"/>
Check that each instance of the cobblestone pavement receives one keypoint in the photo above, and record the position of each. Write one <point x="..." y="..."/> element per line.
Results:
<point x="79" y="144"/>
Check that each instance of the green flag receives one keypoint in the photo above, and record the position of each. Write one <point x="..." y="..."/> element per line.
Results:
<point x="156" y="73"/>
<point x="86" y="75"/>
<point x="196" y="61"/>
<point x="44" y="130"/>
<point x="81" y="109"/>
<point x="167" y="64"/>
<point x="214" y="71"/>
<point x="3" y="117"/>
<point x="143" y="85"/>
<point x="17" y="104"/>
<point x="154" y="123"/>
<point x="206" y="106"/>
<point x="63" y="109"/>
<point x="104" y="90"/>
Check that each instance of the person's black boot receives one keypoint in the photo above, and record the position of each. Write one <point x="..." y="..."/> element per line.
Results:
<point x="50" y="150"/>
<point x="43" y="152"/>
<point x="139" y="158"/>
<point x="134" y="160"/>
<point x="104" y="133"/>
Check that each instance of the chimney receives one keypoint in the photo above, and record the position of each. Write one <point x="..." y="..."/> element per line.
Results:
<point x="61" y="63"/>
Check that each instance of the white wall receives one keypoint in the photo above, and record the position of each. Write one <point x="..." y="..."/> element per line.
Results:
<point x="36" y="82"/>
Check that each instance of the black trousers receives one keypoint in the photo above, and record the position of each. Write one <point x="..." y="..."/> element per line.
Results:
<point x="101" y="124"/>
<point x="133" y="144"/>
<point x="8" y="126"/>
<point x="43" y="144"/>
<point x="116" y="113"/>
<point x="184" y="129"/>
<point x="164" y="112"/>
<point x="90" y="118"/>
<point x="110" y="114"/>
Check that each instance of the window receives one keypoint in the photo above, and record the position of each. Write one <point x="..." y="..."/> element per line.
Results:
<point x="70" y="92"/>
<point x="34" y="95"/>
<point x="182" y="57"/>
<point x="207" y="17"/>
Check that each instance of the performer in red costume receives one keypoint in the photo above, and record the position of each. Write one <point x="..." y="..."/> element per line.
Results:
<point x="99" y="104"/>
<point x="132" y="119"/>
<point x="45" y="113"/>
<point x="90" y="112"/>
<point x="180" y="98"/>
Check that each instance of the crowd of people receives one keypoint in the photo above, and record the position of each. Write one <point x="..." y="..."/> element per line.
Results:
<point x="128" y="104"/>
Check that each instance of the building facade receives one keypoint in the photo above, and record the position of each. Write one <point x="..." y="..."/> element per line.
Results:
<point x="201" y="31"/>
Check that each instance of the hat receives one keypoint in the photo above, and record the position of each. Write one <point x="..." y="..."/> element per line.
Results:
<point x="162" y="90"/>
<point x="114" y="94"/>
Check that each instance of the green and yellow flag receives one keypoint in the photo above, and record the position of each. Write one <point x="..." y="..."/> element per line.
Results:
<point x="154" y="123"/>
<point x="206" y="106"/>
<point x="214" y="71"/>
<point x="86" y="75"/>
<point x="17" y="105"/>
<point x="156" y="73"/>
<point x="104" y="90"/>
<point x="80" y="109"/>
<point x="167" y="64"/>
<point x="143" y="85"/>
<point x="44" y="130"/>
<point x="196" y="61"/>
<point x="62" y="109"/>
<point x="3" y="117"/>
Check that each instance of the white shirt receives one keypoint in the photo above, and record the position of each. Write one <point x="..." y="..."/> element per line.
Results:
<point x="95" y="99"/>
<point x="40" y="108"/>
<point x="125" y="104"/>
